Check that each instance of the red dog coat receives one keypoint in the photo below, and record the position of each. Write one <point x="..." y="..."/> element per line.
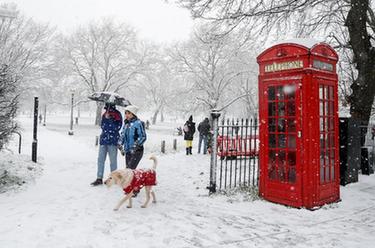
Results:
<point x="141" y="178"/>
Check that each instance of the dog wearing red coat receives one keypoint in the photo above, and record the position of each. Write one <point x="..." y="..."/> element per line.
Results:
<point x="132" y="181"/>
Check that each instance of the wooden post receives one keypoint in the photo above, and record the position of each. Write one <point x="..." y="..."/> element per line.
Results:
<point x="96" y="140"/>
<point x="175" y="144"/>
<point x="163" y="146"/>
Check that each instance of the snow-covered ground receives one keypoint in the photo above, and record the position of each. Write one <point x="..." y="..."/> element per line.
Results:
<point x="60" y="209"/>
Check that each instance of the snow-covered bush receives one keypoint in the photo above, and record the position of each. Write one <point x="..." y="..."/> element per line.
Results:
<point x="8" y="104"/>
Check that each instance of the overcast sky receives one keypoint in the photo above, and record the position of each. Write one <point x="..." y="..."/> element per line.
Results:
<point x="154" y="19"/>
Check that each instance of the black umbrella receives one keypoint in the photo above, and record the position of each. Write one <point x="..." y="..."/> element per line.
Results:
<point x="109" y="97"/>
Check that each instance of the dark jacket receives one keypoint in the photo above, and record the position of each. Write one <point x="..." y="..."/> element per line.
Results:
<point x="204" y="127"/>
<point x="111" y="125"/>
<point x="189" y="129"/>
<point x="133" y="135"/>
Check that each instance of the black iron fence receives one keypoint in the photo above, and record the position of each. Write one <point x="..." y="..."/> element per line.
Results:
<point x="237" y="160"/>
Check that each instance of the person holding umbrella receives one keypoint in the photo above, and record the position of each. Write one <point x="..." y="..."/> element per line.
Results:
<point x="111" y="124"/>
<point x="133" y="137"/>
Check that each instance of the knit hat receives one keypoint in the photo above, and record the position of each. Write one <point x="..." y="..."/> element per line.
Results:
<point x="191" y="118"/>
<point x="132" y="109"/>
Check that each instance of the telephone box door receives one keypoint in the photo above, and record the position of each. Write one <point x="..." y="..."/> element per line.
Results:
<point x="283" y="141"/>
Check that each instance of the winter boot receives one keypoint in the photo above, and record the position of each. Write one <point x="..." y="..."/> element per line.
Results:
<point x="190" y="148"/>
<point x="187" y="150"/>
<point x="97" y="182"/>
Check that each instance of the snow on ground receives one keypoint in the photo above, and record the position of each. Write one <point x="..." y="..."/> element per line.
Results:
<point x="60" y="209"/>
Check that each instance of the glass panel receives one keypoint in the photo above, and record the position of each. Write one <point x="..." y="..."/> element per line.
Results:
<point x="282" y="165"/>
<point x="330" y="95"/>
<point x="281" y="141"/>
<point x="326" y="111"/>
<point x="272" y="164"/>
<point x="331" y="107"/>
<point x="271" y="109"/>
<point x="272" y="125"/>
<point x="321" y="128"/>
<point x="327" y="177"/>
<point x="272" y="141"/>
<point x="280" y="93"/>
<point x="321" y="108"/>
<point x="281" y="124"/>
<point x="290" y="91"/>
<point x="325" y="88"/>
<point x="331" y="124"/>
<point x="321" y="96"/>
<point x="291" y="158"/>
<point x="291" y="141"/>
<point x="281" y="109"/>
<point x="291" y="125"/>
<point x="292" y="174"/>
<point x="271" y="93"/>
<point x="291" y="108"/>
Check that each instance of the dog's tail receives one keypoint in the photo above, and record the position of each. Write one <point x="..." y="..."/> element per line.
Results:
<point x="153" y="158"/>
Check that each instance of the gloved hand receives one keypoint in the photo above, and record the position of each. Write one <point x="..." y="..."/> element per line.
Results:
<point x="121" y="149"/>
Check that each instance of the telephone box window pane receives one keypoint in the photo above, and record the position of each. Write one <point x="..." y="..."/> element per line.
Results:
<point x="272" y="164"/>
<point x="291" y="141"/>
<point x="281" y="124"/>
<point x="331" y="106"/>
<point x="272" y="141"/>
<point x="282" y="165"/>
<point x="331" y="124"/>
<point x="281" y="109"/>
<point x="271" y="109"/>
<point x="321" y="120"/>
<point x="291" y="158"/>
<point x="291" y="108"/>
<point x="271" y="93"/>
<point x="272" y="125"/>
<point x="280" y="93"/>
<point x="291" y="125"/>
<point x="292" y="174"/>
<point x="282" y="141"/>
<point x="327" y="178"/>
<point x="321" y="96"/>
<point x="321" y="108"/>
<point x="330" y="94"/>
<point x="289" y="91"/>
<point x="321" y="166"/>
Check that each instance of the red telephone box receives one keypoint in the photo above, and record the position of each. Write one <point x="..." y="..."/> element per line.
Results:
<point x="298" y="112"/>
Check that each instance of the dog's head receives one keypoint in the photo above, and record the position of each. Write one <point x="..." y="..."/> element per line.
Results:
<point x="114" y="178"/>
<point x="119" y="177"/>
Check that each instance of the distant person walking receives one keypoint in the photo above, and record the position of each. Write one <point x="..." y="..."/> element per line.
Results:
<point x="111" y="125"/>
<point x="133" y="137"/>
<point x="189" y="130"/>
<point x="204" y="129"/>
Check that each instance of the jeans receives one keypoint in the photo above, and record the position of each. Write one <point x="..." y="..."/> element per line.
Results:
<point x="112" y="153"/>
<point x="204" y="139"/>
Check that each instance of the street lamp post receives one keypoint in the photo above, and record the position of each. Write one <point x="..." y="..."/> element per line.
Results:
<point x="71" y="115"/>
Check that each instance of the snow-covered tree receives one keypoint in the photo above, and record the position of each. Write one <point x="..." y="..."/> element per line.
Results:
<point x="210" y="63"/>
<point x="105" y="56"/>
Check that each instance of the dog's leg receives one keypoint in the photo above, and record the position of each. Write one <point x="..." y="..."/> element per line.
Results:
<point x="153" y="196"/>
<point x="148" y="191"/>
<point x="127" y="197"/>
<point x="130" y="200"/>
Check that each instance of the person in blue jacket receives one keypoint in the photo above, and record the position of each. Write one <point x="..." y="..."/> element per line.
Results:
<point x="133" y="137"/>
<point x="111" y="125"/>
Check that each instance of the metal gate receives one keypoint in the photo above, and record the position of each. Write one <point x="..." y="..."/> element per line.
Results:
<point x="236" y="160"/>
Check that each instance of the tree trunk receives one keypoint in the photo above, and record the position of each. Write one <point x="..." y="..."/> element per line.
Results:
<point x="155" y="116"/>
<point x="98" y="117"/>
<point x="363" y="88"/>
<point x="161" y="115"/>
